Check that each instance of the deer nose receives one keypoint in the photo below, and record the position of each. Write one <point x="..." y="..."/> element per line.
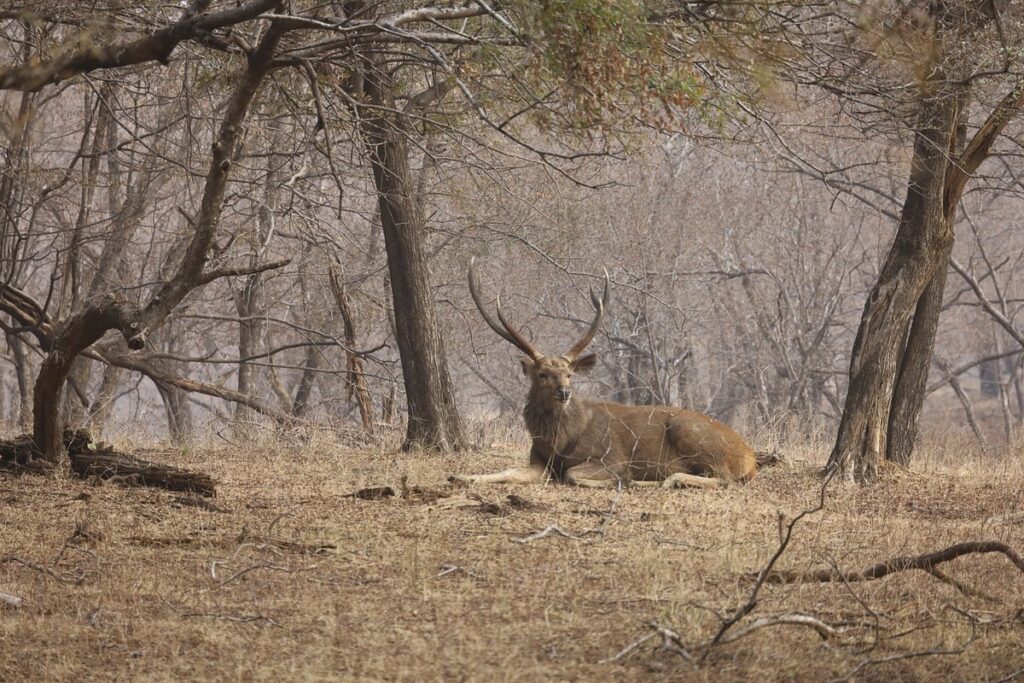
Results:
<point x="563" y="394"/>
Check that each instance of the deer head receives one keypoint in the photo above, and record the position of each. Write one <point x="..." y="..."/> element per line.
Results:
<point x="550" y="376"/>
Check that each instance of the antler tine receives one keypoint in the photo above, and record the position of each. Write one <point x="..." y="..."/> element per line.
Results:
<point x="505" y="331"/>
<point x="600" y="305"/>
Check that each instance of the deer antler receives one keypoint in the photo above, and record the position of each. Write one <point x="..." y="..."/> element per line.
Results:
<point x="599" y="305"/>
<point x="505" y="330"/>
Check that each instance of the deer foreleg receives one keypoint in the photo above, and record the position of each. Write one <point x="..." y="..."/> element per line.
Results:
<point x="513" y="475"/>
<point x="683" y="480"/>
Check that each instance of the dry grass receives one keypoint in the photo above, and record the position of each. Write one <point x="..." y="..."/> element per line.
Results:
<point x="150" y="589"/>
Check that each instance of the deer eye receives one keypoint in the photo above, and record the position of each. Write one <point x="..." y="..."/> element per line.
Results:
<point x="542" y="376"/>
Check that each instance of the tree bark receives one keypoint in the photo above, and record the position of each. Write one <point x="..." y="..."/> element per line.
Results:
<point x="103" y="403"/>
<point x="179" y="412"/>
<point x="250" y="330"/>
<point x="357" y="388"/>
<point x="921" y="248"/>
<point x="75" y="335"/>
<point x="912" y="380"/>
<point x="433" y="416"/>
<point x="304" y="390"/>
<point x="22" y="371"/>
<point x="249" y="302"/>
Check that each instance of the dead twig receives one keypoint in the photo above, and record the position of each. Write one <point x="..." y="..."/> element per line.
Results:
<point x="241" y="618"/>
<point x="548" y="531"/>
<point x="936" y="651"/>
<point x="1012" y="676"/>
<point x="446" y="569"/>
<point x="14" y="559"/>
<point x="372" y="493"/>
<point x="785" y="536"/>
<point x="242" y="572"/>
<point x="9" y="600"/>
<point x="607" y="516"/>
<point x="823" y="629"/>
<point x="670" y="642"/>
<point x="629" y="648"/>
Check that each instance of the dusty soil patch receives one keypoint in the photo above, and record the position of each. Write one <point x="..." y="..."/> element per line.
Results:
<point x="289" y="577"/>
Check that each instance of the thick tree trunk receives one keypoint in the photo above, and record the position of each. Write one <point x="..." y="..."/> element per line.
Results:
<point x="912" y="379"/>
<point x="921" y="248"/>
<point x="76" y="335"/>
<point x="433" y="417"/>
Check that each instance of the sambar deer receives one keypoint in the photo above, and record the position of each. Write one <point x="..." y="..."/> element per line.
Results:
<point x="596" y="443"/>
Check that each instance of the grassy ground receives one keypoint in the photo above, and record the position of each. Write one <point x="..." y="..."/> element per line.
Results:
<point x="132" y="584"/>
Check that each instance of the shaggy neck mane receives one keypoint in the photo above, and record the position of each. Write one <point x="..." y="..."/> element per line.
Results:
<point x="555" y="424"/>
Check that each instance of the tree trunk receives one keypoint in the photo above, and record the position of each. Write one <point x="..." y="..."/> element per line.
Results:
<point x="912" y="380"/>
<point x="76" y="335"/>
<point x="249" y="302"/>
<point x="357" y="388"/>
<point x="990" y="373"/>
<point x="250" y="330"/>
<point x="304" y="390"/>
<point x="179" y="412"/>
<point x="103" y="404"/>
<point x="921" y="248"/>
<point x="22" y="371"/>
<point x="433" y="417"/>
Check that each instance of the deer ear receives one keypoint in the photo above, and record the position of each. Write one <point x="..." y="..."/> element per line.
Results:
<point x="585" y="363"/>
<point x="527" y="363"/>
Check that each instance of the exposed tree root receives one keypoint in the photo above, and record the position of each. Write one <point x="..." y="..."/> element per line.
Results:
<point x="89" y="459"/>
<point x="927" y="562"/>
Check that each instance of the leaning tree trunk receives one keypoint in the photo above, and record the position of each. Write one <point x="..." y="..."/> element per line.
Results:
<point x="889" y="365"/>
<point x="912" y="380"/>
<point x="433" y="417"/>
<point x="921" y="248"/>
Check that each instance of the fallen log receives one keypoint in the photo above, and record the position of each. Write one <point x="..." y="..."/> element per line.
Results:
<point x="92" y="459"/>
<point x="926" y="562"/>
<point x="17" y="453"/>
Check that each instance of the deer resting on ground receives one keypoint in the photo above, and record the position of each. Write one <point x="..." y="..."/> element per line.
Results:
<point x="596" y="443"/>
